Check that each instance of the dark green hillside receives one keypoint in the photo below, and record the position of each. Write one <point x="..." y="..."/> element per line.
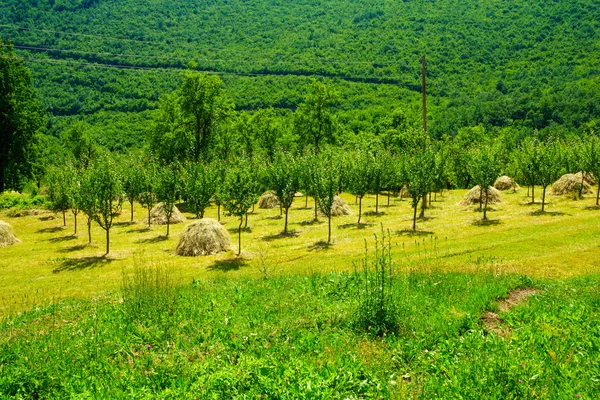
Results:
<point x="498" y="63"/>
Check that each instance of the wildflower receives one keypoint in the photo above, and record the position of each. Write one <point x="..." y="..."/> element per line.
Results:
<point x="520" y="380"/>
<point x="149" y="347"/>
<point x="578" y="395"/>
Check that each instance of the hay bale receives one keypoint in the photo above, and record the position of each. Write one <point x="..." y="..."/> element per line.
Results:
<point x="298" y="194"/>
<point x="505" y="183"/>
<point x="472" y="197"/>
<point x="268" y="200"/>
<point x="569" y="183"/>
<point x="7" y="236"/>
<point x="203" y="237"/>
<point x="158" y="216"/>
<point x="340" y="207"/>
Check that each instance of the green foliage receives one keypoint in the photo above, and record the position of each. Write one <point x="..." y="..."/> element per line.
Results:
<point x="132" y="179"/>
<point x="200" y="182"/>
<point x="284" y="180"/>
<point x="326" y="174"/>
<point x="168" y="186"/>
<point x="358" y="175"/>
<point x="485" y="168"/>
<point x="59" y="188"/>
<point x="377" y="312"/>
<point x="420" y="167"/>
<point x="550" y="166"/>
<point x="314" y="121"/>
<point x="21" y="201"/>
<point x="148" y="186"/>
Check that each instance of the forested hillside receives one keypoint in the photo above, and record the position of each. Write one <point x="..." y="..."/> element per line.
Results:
<point x="531" y="65"/>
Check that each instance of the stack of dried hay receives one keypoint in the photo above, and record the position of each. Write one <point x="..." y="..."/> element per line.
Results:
<point x="203" y="237"/>
<point x="7" y="236"/>
<point x="505" y="183"/>
<point x="340" y="207"/>
<point x="158" y="216"/>
<point x="473" y="196"/>
<point x="268" y="200"/>
<point x="570" y="183"/>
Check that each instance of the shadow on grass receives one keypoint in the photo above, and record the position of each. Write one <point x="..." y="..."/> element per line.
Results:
<point x="311" y="222"/>
<point x="540" y="213"/>
<point x="73" y="248"/>
<point x="157" y="239"/>
<point x="321" y="245"/>
<point x="47" y="218"/>
<point x="274" y="217"/>
<point x="232" y="264"/>
<point x="486" y="222"/>
<point x="235" y="230"/>
<point x="374" y="214"/>
<point x="51" y="230"/>
<point x="362" y="225"/>
<point x="62" y="239"/>
<point x="139" y="230"/>
<point x="411" y="233"/>
<point x="73" y="264"/>
<point x="531" y="203"/>
<point x="280" y="235"/>
<point x="425" y="219"/>
<point x="124" y="223"/>
<point x="592" y="208"/>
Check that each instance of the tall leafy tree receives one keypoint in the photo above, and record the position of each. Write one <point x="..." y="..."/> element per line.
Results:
<point x="550" y="165"/>
<point x="528" y="159"/>
<point x="168" y="184"/>
<point x="326" y="183"/>
<point x="315" y="121"/>
<point x="359" y="176"/>
<point x="87" y="200"/>
<point x="239" y="192"/>
<point x="147" y="194"/>
<point x="59" y="190"/>
<point x="132" y="179"/>
<point x="419" y="165"/>
<point x="21" y="119"/>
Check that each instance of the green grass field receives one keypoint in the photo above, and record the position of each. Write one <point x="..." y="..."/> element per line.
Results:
<point x="52" y="263"/>
<point x="281" y="322"/>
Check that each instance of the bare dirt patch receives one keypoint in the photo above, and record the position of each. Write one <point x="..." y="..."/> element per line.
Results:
<point x="491" y="320"/>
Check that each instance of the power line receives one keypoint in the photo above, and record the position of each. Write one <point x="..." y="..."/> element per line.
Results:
<point x="322" y="59"/>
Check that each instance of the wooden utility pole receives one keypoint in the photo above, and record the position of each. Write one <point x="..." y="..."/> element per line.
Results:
<point x="424" y="91"/>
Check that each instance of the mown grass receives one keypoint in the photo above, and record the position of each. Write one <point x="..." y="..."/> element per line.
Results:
<point x="52" y="263"/>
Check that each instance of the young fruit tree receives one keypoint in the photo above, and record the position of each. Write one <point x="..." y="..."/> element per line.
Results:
<point x="167" y="190"/>
<point x="87" y="200"/>
<point x="58" y="190"/>
<point x="419" y="165"/>
<point x="528" y="160"/>
<point x="284" y="177"/>
<point x="358" y="176"/>
<point x="147" y="194"/>
<point x="107" y="190"/>
<point x="132" y="168"/>
<point x="74" y="174"/>
<point x="379" y="175"/>
<point x="484" y="167"/>
<point x="326" y="181"/>
<point x="239" y="192"/>
<point x="550" y="165"/>
<point x="200" y="186"/>
<point x="592" y="160"/>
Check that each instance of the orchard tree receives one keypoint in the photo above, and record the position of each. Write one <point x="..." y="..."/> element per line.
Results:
<point x="379" y="174"/>
<point x="592" y="160"/>
<point x="550" y="165"/>
<point x="87" y="200"/>
<point x="358" y="176"/>
<point x="59" y="188"/>
<point x="200" y="186"/>
<point x="528" y="159"/>
<point x="284" y="177"/>
<point x="239" y="192"/>
<point x="21" y="119"/>
<point x="133" y="170"/>
<point x="419" y="165"/>
<point x="326" y="179"/>
<point x="147" y="195"/>
<point x="484" y="167"/>
<point x="74" y="174"/>
<point x="107" y="192"/>
<point x="167" y="189"/>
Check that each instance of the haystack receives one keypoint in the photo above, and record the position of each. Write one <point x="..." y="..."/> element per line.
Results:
<point x="472" y="197"/>
<point x="505" y="183"/>
<point x="158" y="216"/>
<point x="268" y="200"/>
<point x="569" y="183"/>
<point x="203" y="237"/>
<point x="340" y="207"/>
<point x="7" y="236"/>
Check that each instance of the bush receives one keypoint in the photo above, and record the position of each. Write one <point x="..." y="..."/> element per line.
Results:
<point x="20" y="201"/>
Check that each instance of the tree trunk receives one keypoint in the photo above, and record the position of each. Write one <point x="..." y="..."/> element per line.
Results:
<point x="486" y="203"/>
<point x="435" y="196"/>
<point x="316" y="217"/>
<point x="481" y="197"/>
<point x="415" y="216"/>
<point x="149" y="219"/>
<point x="329" y="230"/>
<point x="429" y="199"/>
<point x="246" y="223"/>
<point x="423" y="205"/>
<point x="107" y="240"/>
<point x="581" y="185"/>
<point x="131" y="202"/>
<point x="202" y="214"/>
<point x="168" y="225"/>
<point x="64" y="219"/>
<point x="359" y="209"/>
<point x="527" y="190"/>
<point x="598" y="192"/>
<point x="287" y="209"/>
<point x="89" y="226"/>
<point x="75" y="223"/>
<point x="388" y="194"/>
<point x="306" y="201"/>
<point x="219" y="212"/>
<point x="240" y="236"/>
<point x="376" y="202"/>
<point x="543" y="198"/>
<point x="532" y="194"/>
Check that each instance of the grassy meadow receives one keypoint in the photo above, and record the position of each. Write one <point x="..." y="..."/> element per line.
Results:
<point x="281" y="321"/>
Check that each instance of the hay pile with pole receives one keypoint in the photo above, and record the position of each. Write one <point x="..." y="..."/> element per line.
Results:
<point x="7" y="236"/>
<point x="268" y="200"/>
<point x="203" y="237"/>
<point x="506" y="183"/>
<point x="474" y="195"/>
<point x="570" y="183"/>
<point x="340" y="207"/>
<point x="158" y="216"/>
